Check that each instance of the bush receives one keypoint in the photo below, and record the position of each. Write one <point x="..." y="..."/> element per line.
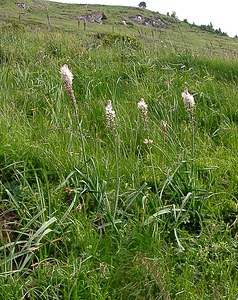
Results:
<point x="112" y="39"/>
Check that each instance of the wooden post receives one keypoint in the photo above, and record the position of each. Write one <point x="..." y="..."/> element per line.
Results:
<point x="48" y="19"/>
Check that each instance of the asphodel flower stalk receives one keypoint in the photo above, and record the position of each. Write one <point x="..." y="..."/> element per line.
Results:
<point x="67" y="78"/>
<point x="164" y="126"/>
<point x="143" y="107"/>
<point x="188" y="101"/>
<point x="110" y="116"/>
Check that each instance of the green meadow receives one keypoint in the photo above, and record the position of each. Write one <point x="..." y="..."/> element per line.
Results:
<point x="136" y="204"/>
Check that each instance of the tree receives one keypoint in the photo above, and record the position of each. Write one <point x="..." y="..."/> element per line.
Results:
<point x="174" y="15"/>
<point x="142" y="5"/>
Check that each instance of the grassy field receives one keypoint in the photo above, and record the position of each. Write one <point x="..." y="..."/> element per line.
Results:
<point x="139" y="204"/>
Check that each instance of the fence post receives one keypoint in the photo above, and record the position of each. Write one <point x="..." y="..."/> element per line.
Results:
<point x="48" y="19"/>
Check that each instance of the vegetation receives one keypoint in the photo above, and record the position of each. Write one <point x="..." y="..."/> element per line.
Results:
<point x="210" y="28"/>
<point x="138" y="201"/>
<point x="142" y="4"/>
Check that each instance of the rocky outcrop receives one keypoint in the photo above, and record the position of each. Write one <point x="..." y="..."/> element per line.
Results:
<point x="21" y="5"/>
<point x="96" y="17"/>
<point x="152" y="22"/>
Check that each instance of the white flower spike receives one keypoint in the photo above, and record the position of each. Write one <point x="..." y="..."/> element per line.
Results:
<point x="110" y="115"/>
<point x="66" y="75"/>
<point x="143" y="107"/>
<point x="188" y="101"/>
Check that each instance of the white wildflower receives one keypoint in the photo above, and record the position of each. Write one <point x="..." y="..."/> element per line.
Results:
<point x="110" y="115"/>
<point x="143" y="107"/>
<point x="66" y="75"/>
<point x="164" y="126"/>
<point x="67" y="78"/>
<point x="148" y="141"/>
<point x="188" y="101"/>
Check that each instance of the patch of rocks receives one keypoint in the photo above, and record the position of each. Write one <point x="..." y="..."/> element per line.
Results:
<point x="151" y="22"/>
<point x="96" y="17"/>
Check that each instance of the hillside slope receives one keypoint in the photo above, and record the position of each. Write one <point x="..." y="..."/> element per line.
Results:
<point x="134" y="198"/>
<point x="152" y="27"/>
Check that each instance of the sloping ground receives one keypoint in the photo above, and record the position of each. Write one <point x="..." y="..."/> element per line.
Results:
<point x="153" y="27"/>
<point x="144" y="209"/>
<point x="28" y="10"/>
<point x="125" y="230"/>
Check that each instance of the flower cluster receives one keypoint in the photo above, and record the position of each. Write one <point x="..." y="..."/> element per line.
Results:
<point x="66" y="75"/>
<point x="67" y="78"/>
<point x="164" y="126"/>
<point x="148" y="141"/>
<point x="188" y="101"/>
<point x="110" y="115"/>
<point x="143" y="107"/>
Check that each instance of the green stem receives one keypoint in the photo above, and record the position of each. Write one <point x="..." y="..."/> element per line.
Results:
<point x="193" y="164"/>
<point x="83" y="146"/>
<point x="116" y="147"/>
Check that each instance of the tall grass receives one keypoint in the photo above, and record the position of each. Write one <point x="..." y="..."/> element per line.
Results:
<point x="99" y="214"/>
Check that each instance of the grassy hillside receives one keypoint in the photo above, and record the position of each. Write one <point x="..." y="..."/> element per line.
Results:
<point x="156" y="27"/>
<point x="139" y="202"/>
